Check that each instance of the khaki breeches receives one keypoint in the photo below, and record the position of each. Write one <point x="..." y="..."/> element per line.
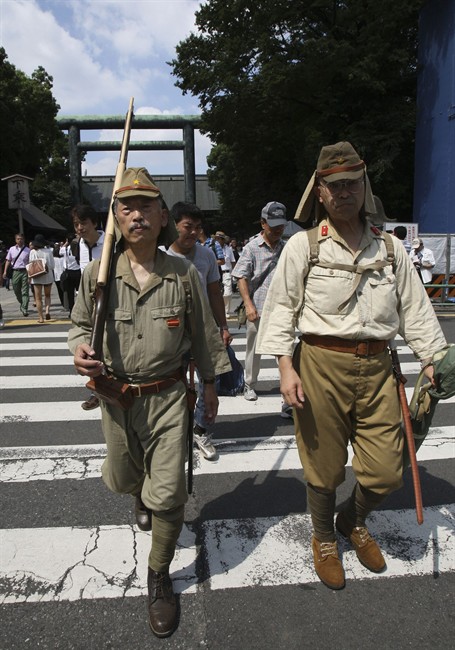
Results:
<point x="348" y="399"/>
<point x="147" y="447"/>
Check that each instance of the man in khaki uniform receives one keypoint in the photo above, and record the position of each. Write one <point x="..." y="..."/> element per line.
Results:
<point x="148" y="331"/>
<point x="348" y="297"/>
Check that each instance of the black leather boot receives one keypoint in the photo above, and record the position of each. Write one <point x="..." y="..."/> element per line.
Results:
<point x="162" y="603"/>
<point x="143" y="515"/>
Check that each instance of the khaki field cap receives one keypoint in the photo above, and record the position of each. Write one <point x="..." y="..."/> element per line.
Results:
<point x="136" y="181"/>
<point x="339" y="161"/>
<point x="416" y="243"/>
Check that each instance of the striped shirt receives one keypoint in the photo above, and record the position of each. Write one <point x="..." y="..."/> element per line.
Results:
<point x="257" y="264"/>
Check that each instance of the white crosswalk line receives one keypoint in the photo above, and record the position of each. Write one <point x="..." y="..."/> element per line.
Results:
<point x="71" y="411"/>
<point x="51" y="564"/>
<point x="67" y="564"/>
<point x="16" y="382"/>
<point x="277" y="550"/>
<point x="277" y="453"/>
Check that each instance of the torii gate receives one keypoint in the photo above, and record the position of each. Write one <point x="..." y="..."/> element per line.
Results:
<point x="74" y="124"/>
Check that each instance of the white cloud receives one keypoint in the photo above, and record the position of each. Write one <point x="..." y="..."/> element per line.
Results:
<point x="102" y="52"/>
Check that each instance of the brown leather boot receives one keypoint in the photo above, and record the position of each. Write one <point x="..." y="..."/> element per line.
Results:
<point x="367" y="549"/>
<point x="327" y="564"/>
<point x="162" y="604"/>
<point x="143" y="515"/>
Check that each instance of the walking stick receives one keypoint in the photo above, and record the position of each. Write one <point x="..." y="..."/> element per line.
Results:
<point x="191" y="397"/>
<point x="401" y="380"/>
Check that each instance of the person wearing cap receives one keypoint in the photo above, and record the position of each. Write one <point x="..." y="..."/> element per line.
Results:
<point x="17" y="259"/>
<point x="188" y="220"/>
<point x="226" y="269"/>
<point x="152" y="323"/>
<point x="214" y="245"/>
<point x="423" y="260"/>
<point x="349" y="289"/>
<point x="42" y="282"/>
<point x="254" y="272"/>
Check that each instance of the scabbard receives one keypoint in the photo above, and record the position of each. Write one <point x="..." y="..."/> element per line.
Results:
<point x="401" y="380"/>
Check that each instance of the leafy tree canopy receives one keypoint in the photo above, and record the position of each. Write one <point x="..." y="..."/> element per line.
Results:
<point x="31" y="142"/>
<point x="278" y="79"/>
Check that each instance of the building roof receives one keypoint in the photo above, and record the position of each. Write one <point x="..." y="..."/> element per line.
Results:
<point x="98" y="191"/>
<point x="39" y="219"/>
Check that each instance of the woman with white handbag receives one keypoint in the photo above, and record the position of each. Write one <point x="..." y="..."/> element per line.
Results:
<point x="40" y="251"/>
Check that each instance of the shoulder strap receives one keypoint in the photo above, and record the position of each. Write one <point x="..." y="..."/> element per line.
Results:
<point x="313" y="241"/>
<point x="358" y="269"/>
<point x="390" y="249"/>
<point x="17" y="257"/>
<point x="189" y="316"/>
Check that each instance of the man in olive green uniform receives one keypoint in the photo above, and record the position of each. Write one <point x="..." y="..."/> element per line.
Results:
<point x="148" y="331"/>
<point x="349" y="289"/>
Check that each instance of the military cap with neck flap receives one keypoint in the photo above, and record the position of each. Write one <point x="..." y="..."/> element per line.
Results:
<point x="336" y="162"/>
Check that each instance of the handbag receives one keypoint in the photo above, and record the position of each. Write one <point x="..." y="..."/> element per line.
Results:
<point x="36" y="268"/>
<point x="233" y="382"/>
<point x="241" y="314"/>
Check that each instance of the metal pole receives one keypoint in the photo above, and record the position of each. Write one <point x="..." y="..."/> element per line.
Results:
<point x="445" y="291"/>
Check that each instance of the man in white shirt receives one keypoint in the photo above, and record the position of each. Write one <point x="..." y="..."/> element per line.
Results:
<point x="423" y="260"/>
<point x="87" y="247"/>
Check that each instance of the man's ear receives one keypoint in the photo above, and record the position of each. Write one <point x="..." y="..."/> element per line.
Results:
<point x="317" y="191"/>
<point x="164" y="217"/>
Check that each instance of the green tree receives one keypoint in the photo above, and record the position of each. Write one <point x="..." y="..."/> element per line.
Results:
<point x="277" y="79"/>
<point x="31" y="142"/>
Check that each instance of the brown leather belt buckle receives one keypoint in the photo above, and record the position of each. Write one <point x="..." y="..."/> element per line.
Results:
<point x="362" y="349"/>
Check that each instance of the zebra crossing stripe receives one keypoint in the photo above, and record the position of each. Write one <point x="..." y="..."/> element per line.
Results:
<point x="278" y="453"/>
<point x="77" y="563"/>
<point x="71" y="411"/>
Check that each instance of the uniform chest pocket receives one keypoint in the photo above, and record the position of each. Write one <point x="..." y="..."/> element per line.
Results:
<point x="326" y="289"/>
<point x="168" y="322"/>
<point x="383" y="303"/>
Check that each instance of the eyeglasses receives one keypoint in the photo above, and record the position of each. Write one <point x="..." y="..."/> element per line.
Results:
<point x="336" y="187"/>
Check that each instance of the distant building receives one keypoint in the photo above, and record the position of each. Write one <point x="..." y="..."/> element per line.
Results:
<point x="97" y="190"/>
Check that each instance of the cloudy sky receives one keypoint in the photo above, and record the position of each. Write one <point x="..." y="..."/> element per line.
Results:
<point x="102" y="52"/>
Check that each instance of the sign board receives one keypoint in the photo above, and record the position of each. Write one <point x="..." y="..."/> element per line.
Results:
<point x="412" y="229"/>
<point x="18" y="194"/>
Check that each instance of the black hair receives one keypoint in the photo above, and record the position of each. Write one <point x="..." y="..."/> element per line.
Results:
<point x="84" y="212"/>
<point x="181" y="209"/>
<point x="400" y="232"/>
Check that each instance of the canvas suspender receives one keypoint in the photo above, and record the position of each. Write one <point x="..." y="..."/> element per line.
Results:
<point x="358" y="269"/>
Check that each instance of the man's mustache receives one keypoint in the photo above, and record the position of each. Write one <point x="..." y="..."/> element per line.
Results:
<point x="143" y="225"/>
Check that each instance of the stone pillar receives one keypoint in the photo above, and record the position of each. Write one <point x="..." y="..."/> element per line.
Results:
<point x="189" y="165"/>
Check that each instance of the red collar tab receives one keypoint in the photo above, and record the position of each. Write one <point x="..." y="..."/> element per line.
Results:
<point x="375" y="230"/>
<point x="324" y="231"/>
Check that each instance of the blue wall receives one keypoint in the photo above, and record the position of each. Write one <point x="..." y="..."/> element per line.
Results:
<point x="434" y="188"/>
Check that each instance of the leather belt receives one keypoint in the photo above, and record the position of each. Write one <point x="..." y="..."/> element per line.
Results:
<point x="359" y="348"/>
<point x="156" y="386"/>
